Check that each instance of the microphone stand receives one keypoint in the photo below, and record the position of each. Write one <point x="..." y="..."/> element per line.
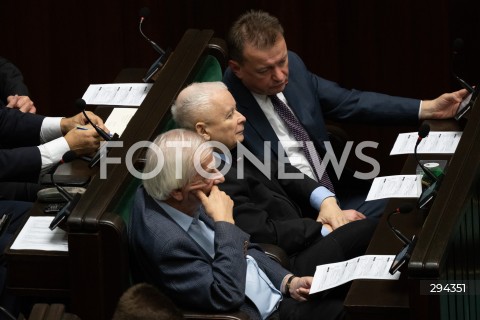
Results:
<point x="158" y="64"/>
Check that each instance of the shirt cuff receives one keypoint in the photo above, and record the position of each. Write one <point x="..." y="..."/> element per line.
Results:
<point x="324" y="231"/>
<point x="50" y="129"/>
<point x="420" y="109"/>
<point x="52" y="152"/>
<point x="318" y="195"/>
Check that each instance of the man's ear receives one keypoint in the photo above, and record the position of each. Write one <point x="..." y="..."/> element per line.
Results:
<point x="201" y="129"/>
<point x="177" y="195"/>
<point x="235" y="67"/>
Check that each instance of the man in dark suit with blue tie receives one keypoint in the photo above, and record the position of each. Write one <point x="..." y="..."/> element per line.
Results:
<point x="183" y="239"/>
<point x="263" y="72"/>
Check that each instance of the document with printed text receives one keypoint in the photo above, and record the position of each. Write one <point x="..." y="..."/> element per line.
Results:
<point x="36" y="235"/>
<point x="118" y="119"/>
<point x="117" y="94"/>
<point x="399" y="186"/>
<point x="364" y="267"/>
<point x="436" y="142"/>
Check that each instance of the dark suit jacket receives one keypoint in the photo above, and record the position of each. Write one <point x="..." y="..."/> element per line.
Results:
<point x="276" y="211"/>
<point x="20" y="159"/>
<point x="163" y="254"/>
<point x="11" y="81"/>
<point x="313" y="100"/>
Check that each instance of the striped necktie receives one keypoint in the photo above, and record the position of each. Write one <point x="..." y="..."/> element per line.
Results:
<point x="301" y="135"/>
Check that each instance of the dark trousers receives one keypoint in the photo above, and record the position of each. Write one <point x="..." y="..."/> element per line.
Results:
<point x="352" y="192"/>
<point x="323" y="305"/>
<point x="19" y="191"/>
<point x="348" y="241"/>
<point x="17" y="212"/>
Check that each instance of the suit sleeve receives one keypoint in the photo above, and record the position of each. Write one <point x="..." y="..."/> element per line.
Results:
<point x="19" y="129"/>
<point x="346" y="105"/>
<point x="20" y="159"/>
<point x="217" y="285"/>
<point x="11" y="81"/>
<point x="20" y="164"/>
<point x="173" y="261"/>
<point x="300" y="190"/>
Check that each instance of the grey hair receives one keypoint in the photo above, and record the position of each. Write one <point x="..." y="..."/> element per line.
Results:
<point x="194" y="102"/>
<point x="161" y="185"/>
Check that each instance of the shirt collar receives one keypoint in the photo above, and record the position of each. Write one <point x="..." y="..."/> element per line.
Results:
<point x="182" y="219"/>
<point x="222" y="156"/>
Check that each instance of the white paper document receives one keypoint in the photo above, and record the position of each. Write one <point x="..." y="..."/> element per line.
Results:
<point x="36" y="235"/>
<point x="399" y="186"/>
<point x="118" y="119"/>
<point x="117" y="94"/>
<point x="436" y="142"/>
<point x="364" y="267"/>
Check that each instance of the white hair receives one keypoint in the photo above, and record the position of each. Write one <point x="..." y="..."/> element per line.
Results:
<point x="194" y="102"/>
<point x="166" y="181"/>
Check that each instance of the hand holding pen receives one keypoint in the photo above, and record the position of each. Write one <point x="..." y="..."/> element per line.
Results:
<point x="83" y="140"/>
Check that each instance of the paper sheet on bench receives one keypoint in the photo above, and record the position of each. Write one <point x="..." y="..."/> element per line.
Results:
<point x="35" y="235"/>
<point x="117" y="94"/>
<point x="118" y="119"/>
<point x="399" y="186"/>
<point x="436" y="142"/>
<point x="364" y="267"/>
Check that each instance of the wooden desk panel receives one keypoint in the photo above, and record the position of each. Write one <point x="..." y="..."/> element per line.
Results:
<point x="383" y="299"/>
<point x="36" y="272"/>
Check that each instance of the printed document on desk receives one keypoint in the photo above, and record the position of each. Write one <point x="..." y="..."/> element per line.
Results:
<point x="399" y="186"/>
<point x="117" y="94"/>
<point x="436" y="142"/>
<point x="118" y="119"/>
<point x="36" y="235"/>
<point x="364" y="267"/>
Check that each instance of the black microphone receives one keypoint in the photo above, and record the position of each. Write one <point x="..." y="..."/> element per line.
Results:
<point x="71" y="200"/>
<point x="81" y="104"/>
<point x="159" y="63"/>
<point x="65" y="212"/>
<point x="145" y="12"/>
<point x="67" y="157"/>
<point x="404" y="208"/>
<point x="422" y="133"/>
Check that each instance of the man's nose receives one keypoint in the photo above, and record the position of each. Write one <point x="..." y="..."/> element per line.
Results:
<point x="277" y="74"/>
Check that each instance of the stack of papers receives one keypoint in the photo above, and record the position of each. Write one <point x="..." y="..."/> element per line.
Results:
<point x="36" y="235"/>
<point x="117" y="94"/>
<point x="436" y="142"/>
<point x="364" y="267"/>
<point x="399" y="186"/>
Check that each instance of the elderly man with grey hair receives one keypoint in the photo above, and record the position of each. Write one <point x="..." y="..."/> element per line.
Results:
<point x="299" y="215"/>
<point x="184" y="240"/>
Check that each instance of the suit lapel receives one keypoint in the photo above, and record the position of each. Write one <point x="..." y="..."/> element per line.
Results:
<point x="259" y="122"/>
<point x="159" y="210"/>
<point x="256" y="119"/>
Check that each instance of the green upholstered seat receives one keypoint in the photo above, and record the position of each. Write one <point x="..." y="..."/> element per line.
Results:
<point x="210" y="70"/>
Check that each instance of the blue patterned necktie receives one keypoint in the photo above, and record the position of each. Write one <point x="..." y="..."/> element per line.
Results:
<point x="301" y="135"/>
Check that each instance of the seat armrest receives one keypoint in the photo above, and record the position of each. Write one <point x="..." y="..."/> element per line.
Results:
<point x="276" y="253"/>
